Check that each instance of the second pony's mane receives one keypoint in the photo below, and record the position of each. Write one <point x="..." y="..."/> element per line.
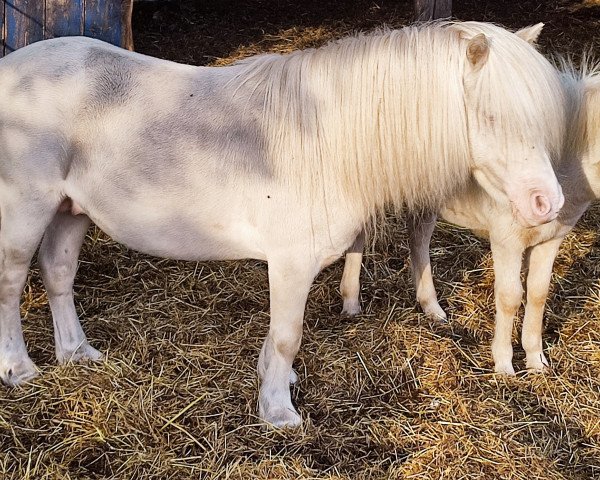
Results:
<point x="381" y="119"/>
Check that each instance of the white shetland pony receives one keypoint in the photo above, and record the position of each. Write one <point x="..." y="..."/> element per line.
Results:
<point x="578" y="169"/>
<point x="279" y="158"/>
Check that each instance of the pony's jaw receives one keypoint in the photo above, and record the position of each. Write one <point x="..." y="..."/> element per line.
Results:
<point x="535" y="200"/>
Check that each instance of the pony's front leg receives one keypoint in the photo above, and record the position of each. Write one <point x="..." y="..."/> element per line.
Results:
<point x="289" y="283"/>
<point x="508" y="294"/>
<point x="350" y="284"/>
<point x="541" y="260"/>
<point x="420" y="230"/>
<point x="58" y="264"/>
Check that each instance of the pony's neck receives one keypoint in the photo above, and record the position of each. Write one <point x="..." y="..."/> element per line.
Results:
<point x="576" y="166"/>
<point x="373" y="120"/>
<point x="590" y="135"/>
<point x="586" y="182"/>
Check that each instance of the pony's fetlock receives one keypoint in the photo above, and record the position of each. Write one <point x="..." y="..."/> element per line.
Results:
<point x="81" y="353"/>
<point x="536" y="362"/>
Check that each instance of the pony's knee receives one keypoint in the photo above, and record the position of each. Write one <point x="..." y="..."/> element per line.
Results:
<point x="287" y="344"/>
<point x="508" y="298"/>
<point x="537" y="299"/>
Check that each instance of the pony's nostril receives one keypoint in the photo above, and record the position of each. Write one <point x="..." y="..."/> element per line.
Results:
<point x="540" y="204"/>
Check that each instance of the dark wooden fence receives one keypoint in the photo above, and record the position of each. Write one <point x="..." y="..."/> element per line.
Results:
<point x="27" y="21"/>
<point x="432" y="9"/>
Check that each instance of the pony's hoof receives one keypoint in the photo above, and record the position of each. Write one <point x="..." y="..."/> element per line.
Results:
<point x="293" y="377"/>
<point x="351" y="308"/>
<point x="537" y="364"/>
<point x="505" y="369"/>
<point x="282" y="417"/>
<point x="83" y="353"/>
<point x="18" y="372"/>
<point x="435" y="312"/>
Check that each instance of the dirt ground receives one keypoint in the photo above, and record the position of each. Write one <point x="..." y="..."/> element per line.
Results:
<point x="386" y="395"/>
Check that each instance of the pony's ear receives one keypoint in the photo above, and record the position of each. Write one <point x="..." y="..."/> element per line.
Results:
<point x="478" y="51"/>
<point x="530" y="34"/>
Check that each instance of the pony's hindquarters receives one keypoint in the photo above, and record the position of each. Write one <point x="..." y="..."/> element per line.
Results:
<point x="35" y="100"/>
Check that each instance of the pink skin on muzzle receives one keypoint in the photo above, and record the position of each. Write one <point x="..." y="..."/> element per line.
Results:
<point x="538" y="207"/>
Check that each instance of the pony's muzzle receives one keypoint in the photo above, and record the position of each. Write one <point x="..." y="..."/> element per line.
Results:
<point x="543" y="208"/>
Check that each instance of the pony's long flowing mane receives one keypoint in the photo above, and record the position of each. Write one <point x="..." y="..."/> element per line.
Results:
<point x="381" y="119"/>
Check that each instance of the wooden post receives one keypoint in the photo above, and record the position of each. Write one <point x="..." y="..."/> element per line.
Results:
<point x="63" y="18"/>
<point x="109" y="20"/>
<point x="426" y="10"/>
<point x="127" y="36"/>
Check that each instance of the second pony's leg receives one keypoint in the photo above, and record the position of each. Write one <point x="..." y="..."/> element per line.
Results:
<point x="58" y="263"/>
<point x="508" y="293"/>
<point x="289" y="283"/>
<point x="541" y="260"/>
<point x="350" y="284"/>
<point x="23" y="223"/>
<point x="420" y="230"/>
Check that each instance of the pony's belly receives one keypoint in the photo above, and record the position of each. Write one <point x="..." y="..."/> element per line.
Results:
<point x="185" y="239"/>
<point x="465" y="217"/>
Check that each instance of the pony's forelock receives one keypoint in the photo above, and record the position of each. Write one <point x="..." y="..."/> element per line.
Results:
<point x="520" y="88"/>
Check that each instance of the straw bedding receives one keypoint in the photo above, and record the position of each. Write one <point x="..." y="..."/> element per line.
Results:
<point x="386" y="395"/>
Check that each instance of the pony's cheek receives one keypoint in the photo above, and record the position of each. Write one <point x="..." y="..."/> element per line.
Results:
<point x="491" y="183"/>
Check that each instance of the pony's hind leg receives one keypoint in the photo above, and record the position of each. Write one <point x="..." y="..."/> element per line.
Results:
<point x="350" y="284"/>
<point x="23" y="224"/>
<point x="420" y="230"/>
<point x="58" y="264"/>
<point x="289" y="283"/>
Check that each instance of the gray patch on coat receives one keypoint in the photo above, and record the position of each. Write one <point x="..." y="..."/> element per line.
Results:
<point x="45" y="71"/>
<point x="112" y="76"/>
<point x="220" y="137"/>
<point x="46" y="156"/>
<point x="25" y="85"/>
